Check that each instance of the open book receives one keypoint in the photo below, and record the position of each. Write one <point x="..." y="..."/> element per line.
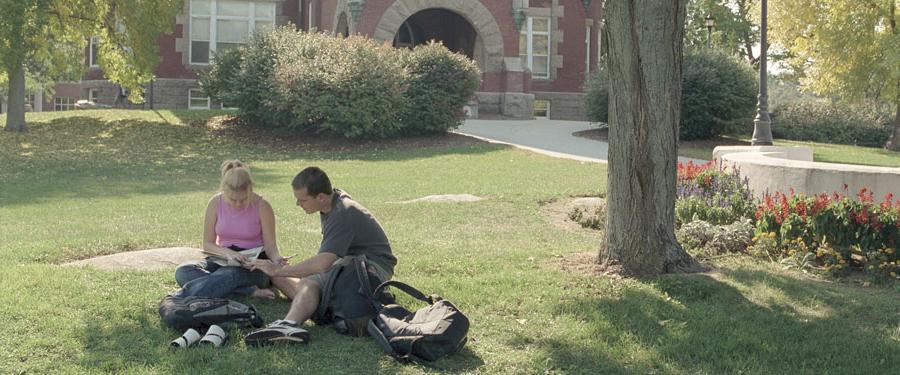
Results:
<point x="251" y="254"/>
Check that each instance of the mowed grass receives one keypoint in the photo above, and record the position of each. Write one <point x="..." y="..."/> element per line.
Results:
<point x="86" y="183"/>
<point x="823" y="152"/>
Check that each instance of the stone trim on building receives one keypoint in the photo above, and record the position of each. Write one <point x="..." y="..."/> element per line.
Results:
<point x="563" y="105"/>
<point x="486" y="27"/>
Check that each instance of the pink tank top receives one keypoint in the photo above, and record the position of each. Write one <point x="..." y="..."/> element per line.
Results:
<point x="240" y="227"/>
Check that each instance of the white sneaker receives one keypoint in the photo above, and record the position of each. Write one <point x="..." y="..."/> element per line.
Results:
<point x="278" y="331"/>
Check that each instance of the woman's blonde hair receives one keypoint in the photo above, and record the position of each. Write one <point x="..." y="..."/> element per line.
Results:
<point x="235" y="176"/>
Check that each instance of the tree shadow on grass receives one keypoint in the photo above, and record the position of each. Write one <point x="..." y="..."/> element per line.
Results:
<point x="141" y="344"/>
<point x="88" y="157"/>
<point x="697" y="324"/>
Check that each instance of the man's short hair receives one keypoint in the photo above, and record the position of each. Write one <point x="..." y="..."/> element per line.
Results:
<point x="314" y="180"/>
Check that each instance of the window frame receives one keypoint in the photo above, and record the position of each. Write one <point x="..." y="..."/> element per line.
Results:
<point x="546" y="110"/>
<point x="191" y="99"/>
<point x="251" y="18"/>
<point x="91" y="96"/>
<point x="529" y="55"/>
<point x="68" y="105"/>
<point x="587" y="52"/>
<point x="93" y="52"/>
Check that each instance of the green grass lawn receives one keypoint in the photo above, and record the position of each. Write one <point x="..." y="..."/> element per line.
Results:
<point x="86" y="183"/>
<point x="824" y="152"/>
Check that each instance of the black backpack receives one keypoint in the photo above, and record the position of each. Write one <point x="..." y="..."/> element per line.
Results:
<point x="199" y="313"/>
<point x="346" y="298"/>
<point x="432" y="332"/>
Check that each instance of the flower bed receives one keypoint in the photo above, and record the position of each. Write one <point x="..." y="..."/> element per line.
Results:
<point x="835" y="232"/>
<point x="841" y="232"/>
<point x="711" y="194"/>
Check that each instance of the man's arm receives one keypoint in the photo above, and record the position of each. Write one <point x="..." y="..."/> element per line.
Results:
<point x="319" y="263"/>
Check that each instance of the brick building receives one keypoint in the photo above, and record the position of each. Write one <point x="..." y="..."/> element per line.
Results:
<point x="534" y="54"/>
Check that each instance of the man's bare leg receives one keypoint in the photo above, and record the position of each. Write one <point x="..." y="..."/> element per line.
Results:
<point x="305" y="301"/>
<point x="287" y="285"/>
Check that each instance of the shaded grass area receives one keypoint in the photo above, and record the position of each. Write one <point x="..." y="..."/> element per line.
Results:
<point x="70" y="196"/>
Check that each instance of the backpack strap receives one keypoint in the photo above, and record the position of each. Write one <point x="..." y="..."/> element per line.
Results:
<point x="409" y="289"/>
<point x="407" y="343"/>
<point x="325" y="299"/>
<point x="362" y="273"/>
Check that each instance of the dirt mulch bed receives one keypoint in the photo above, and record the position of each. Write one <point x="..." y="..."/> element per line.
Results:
<point x="291" y="140"/>
<point x="603" y="135"/>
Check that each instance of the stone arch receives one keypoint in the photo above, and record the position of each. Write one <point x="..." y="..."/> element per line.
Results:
<point x="489" y="40"/>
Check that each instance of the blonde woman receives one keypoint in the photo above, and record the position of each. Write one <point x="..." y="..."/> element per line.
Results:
<point x="236" y="219"/>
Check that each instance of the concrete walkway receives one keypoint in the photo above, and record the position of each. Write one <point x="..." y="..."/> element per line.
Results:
<point x="549" y="137"/>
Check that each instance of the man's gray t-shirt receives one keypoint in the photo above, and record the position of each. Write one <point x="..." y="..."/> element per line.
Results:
<point x="350" y="230"/>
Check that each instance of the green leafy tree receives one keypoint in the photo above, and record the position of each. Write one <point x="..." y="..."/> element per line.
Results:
<point x="736" y="26"/>
<point x="45" y="39"/>
<point x="849" y="49"/>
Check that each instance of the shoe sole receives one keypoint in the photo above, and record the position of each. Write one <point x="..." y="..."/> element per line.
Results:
<point x="267" y="338"/>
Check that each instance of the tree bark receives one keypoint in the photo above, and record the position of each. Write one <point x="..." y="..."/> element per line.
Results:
<point x="15" y="117"/>
<point x="894" y="143"/>
<point x="645" y="53"/>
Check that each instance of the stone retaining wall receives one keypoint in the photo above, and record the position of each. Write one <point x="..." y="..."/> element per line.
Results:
<point x="773" y="168"/>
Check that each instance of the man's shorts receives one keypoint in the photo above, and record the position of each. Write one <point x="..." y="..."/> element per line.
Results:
<point x="321" y="278"/>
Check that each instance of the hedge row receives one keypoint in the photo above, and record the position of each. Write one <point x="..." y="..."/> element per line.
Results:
<point x="717" y="90"/>
<point x="861" y="125"/>
<point x="352" y="87"/>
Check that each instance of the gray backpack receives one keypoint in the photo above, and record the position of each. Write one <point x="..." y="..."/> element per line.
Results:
<point x="433" y="331"/>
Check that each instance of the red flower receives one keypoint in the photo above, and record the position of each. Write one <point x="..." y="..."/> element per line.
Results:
<point x="800" y="207"/>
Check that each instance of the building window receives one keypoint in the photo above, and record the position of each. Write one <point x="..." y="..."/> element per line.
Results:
<point x="93" y="95"/>
<point x="95" y="46"/>
<point x="542" y="109"/>
<point x="29" y="103"/>
<point x="217" y="25"/>
<point x="197" y="100"/>
<point x="63" y="103"/>
<point x="534" y="46"/>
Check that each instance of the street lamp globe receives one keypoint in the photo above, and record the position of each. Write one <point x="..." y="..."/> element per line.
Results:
<point x="710" y="23"/>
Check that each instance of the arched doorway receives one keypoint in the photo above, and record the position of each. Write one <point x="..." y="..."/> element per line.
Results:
<point x="448" y="27"/>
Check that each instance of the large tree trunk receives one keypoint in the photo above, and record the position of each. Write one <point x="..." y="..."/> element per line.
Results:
<point x="894" y="143"/>
<point x="15" y="118"/>
<point x="645" y="52"/>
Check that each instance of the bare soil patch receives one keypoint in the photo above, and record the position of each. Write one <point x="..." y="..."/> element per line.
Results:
<point x="148" y="260"/>
<point x="291" y="140"/>
<point x="451" y="198"/>
<point x="557" y="212"/>
<point x="603" y="135"/>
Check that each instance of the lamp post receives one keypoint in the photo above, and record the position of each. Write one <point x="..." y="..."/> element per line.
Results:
<point x="710" y="23"/>
<point x="762" y="124"/>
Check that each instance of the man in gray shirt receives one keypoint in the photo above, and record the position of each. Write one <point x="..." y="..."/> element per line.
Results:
<point x="348" y="230"/>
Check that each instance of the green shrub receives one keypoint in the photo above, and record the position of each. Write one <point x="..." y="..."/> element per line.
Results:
<point x="717" y="91"/>
<point x="703" y="239"/>
<point x="350" y="87"/>
<point x="241" y="77"/>
<point x="596" y="98"/>
<point x="861" y="125"/>
<point x="440" y="84"/>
